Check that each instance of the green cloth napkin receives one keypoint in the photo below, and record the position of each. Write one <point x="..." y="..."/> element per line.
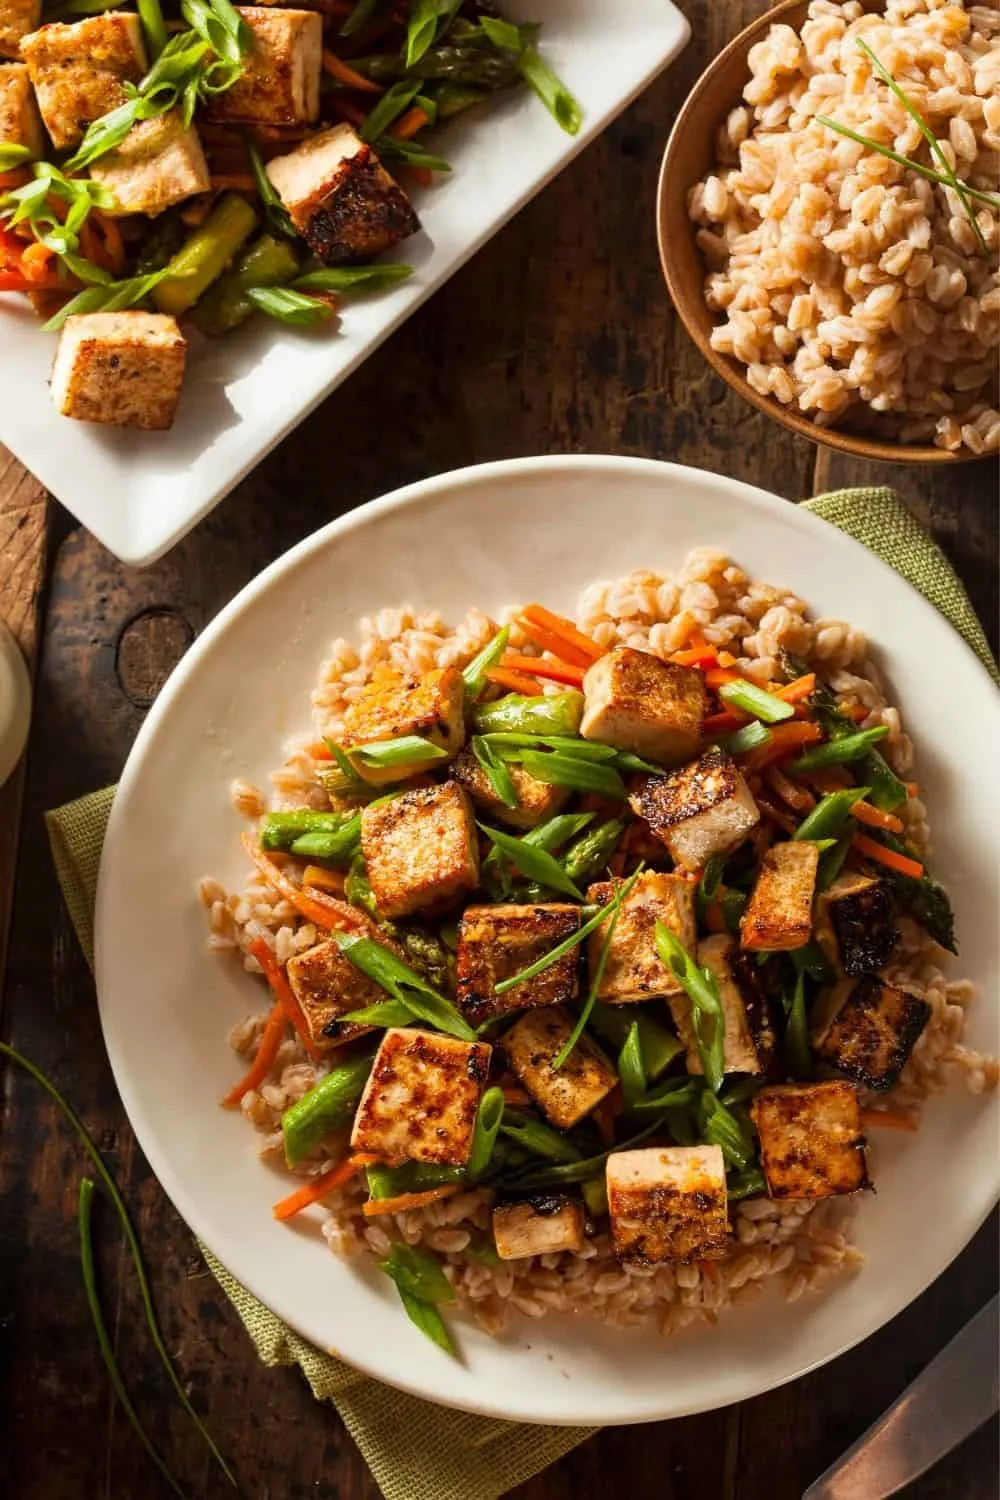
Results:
<point x="416" y="1450"/>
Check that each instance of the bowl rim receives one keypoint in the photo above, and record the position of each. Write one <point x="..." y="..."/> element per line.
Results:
<point x="856" y="445"/>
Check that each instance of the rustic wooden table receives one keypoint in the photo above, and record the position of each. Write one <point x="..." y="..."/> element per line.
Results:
<point x="558" y="337"/>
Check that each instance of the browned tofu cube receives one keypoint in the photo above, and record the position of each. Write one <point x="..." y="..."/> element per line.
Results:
<point x="393" y="705"/>
<point x="20" y="122"/>
<point x="751" y="1038"/>
<point x="340" y="197"/>
<point x="497" y="942"/>
<point x="420" y="848"/>
<point x="78" y="70"/>
<point x="17" y="19"/>
<point x="536" y="800"/>
<point x="854" y="924"/>
<point x="538" y="1226"/>
<point x="566" y="1094"/>
<point x="778" y="915"/>
<point x="867" y="1029"/>
<point x="701" y="809"/>
<point x="327" y="985"/>
<point x="121" y="368"/>
<point x="811" y="1141"/>
<point x="421" y="1098"/>
<point x="668" y="1203"/>
<point x="637" y="702"/>
<point x="158" y="164"/>
<point x="634" y="970"/>
<point x="279" y="84"/>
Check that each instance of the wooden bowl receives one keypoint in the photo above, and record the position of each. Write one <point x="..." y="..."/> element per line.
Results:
<point x="690" y="154"/>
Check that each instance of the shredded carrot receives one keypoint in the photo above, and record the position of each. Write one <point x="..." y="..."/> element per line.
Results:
<point x="893" y="1119"/>
<point x="345" y="74"/>
<point x="727" y="659"/>
<point x="320" y="879"/>
<point x="267" y="1051"/>
<point x="828" y="779"/>
<point x="762" y="838"/>
<point x="564" y="629"/>
<point x="776" y="814"/>
<point x="913" y="789"/>
<point x="314" y="905"/>
<point x="284" y="994"/>
<point x="715" y="677"/>
<point x="785" y="740"/>
<point x="518" y="1098"/>
<point x="855" y="711"/>
<point x="404" y="1201"/>
<point x="696" y="656"/>
<point x="36" y="262"/>
<point x="796" y="796"/>
<point x="516" y="682"/>
<point x="715" y="919"/>
<point x="901" y="863"/>
<point x="319" y="1187"/>
<point x="540" y="666"/>
<point x="319" y="751"/>
<point x="547" y="640"/>
<point x="723" y="723"/>
<point x="876" y="818"/>
<point x="407" y="125"/>
<point x="114" y="249"/>
<point x="802" y="687"/>
<point x="16" y="281"/>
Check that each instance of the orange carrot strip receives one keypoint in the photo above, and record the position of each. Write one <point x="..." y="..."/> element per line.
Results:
<point x="794" y="692"/>
<point x="696" y="656"/>
<point x="715" y="677"/>
<point x="404" y="1201"/>
<point x="727" y="659"/>
<point x="320" y="879"/>
<point x="284" y="994"/>
<point x="517" y="682"/>
<point x="314" y="905"/>
<point x="564" y="629"/>
<point x="893" y="1119"/>
<point x="337" y="68"/>
<point x="901" y="863"/>
<point x="876" y="818"/>
<point x="553" y="671"/>
<point x="547" y="640"/>
<point x="267" y="1051"/>
<point x="855" y="711"/>
<point x="776" y="814"/>
<point x="913" y="789"/>
<point x="723" y="723"/>
<point x="789" y="791"/>
<point x="112" y="237"/>
<point x="319" y="1187"/>
<point x="319" y="751"/>
<point x="407" y="125"/>
<point x="785" y="740"/>
<point x="828" y="779"/>
<point x="36" y="261"/>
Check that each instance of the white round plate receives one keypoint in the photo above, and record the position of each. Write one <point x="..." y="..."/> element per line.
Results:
<point x="536" y="528"/>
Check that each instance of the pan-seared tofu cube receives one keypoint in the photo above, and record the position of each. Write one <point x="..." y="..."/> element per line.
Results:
<point x="750" y="1038"/>
<point x="421" y="1098"/>
<point x="122" y="368"/>
<point x="566" y="1094"/>
<point x="867" y="1029"/>
<point x="637" y="702"/>
<point x="279" y="84"/>
<point x="538" y="1226"/>
<point x="20" y="122"/>
<point x="668" y="1203"/>
<point x="340" y="197"/>
<point x="327" y="985"/>
<point x="700" y="809"/>
<point x="536" y="800"/>
<point x="811" y="1141"/>
<point x="158" y="164"/>
<point x="17" y="19"/>
<point x="393" y="705"/>
<point x="633" y="969"/>
<point x="778" y="915"/>
<point x="854" y="924"/>
<point x="420" y="849"/>
<point x="497" y="942"/>
<point x="78" y="70"/>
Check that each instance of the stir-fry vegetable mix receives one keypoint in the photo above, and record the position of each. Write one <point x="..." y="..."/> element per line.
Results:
<point x="670" y="956"/>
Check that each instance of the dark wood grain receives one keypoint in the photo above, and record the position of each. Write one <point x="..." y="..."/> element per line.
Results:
<point x="556" y="338"/>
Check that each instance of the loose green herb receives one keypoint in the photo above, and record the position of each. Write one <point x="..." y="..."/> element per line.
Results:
<point x="13" y="156"/>
<point x="410" y="152"/>
<point x="534" y="863"/>
<point x="708" y="885"/>
<point x="573" y="941"/>
<point x="832" y="862"/>
<point x="675" y="1094"/>
<point x="391" y="105"/>
<point x="840" y="751"/>
<point x="531" y="1178"/>
<point x="403" y="984"/>
<point x="154" y="27"/>
<point x="706" y="1005"/>
<point x="428" y="20"/>
<point x="754" y="700"/>
<point x="488" y="1121"/>
<point x="535" y="71"/>
<point x="904" y="161"/>
<point x="659" y="1046"/>
<point x="510" y="742"/>
<point x="425" y="1316"/>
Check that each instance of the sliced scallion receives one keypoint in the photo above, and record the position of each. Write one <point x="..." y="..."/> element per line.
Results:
<point x="403" y="984"/>
<point x="489" y="1117"/>
<point x="630" y="1069"/>
<point x="572" y="771"/>
<point x="588" y="1005"/>
<point x="494" y="770"/>
<point x="752" y="699"/>
<point x="407" y="750"/>
<point x="706" y="1005"/>
<point x="568" y="944"/>
<point x="841" y="751"/>
<point x="474" y="675"/>
<point x="532" y="862"/>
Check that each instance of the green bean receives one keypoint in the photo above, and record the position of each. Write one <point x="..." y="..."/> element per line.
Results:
<point x="840" y="751"/>
<point x="206" y="254"/>
<point x="453" y="98"/>
<point x="750" y="1184"/>
<point x="828" y="817"/>
<point x="587" y="858"/>
<point x="559" y="714"/>
<point x="534" y="863"/>
<point x="338" y="845"/>
<point x="467" y="63"/>
<point x="733" y="904"/>
<point x="537" y="1138"/>
<point x="357" y="888"/>
<point x="798" y="1059"/>
<point x="488" y="1121"/>
<point x="267" y="262"/>
<point x="832" y="862"/>
<point x="280" y="830"/>
<point x="887" y="791"/>
<point x="658" y="1046"/>
<point x="327" y="1107"/>
<point x="411" y="1177"/>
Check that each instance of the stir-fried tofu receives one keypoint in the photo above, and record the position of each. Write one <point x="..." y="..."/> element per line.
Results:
<point x="701" y="809"/>
<point x="668" y="1203"/>
<point x="279" y="84"/>
<point x="779" y="914"/>
<point x="566" y="1094"/>
<point x="78" y="70"/>
<point x="340" y="197"/>
<point x="634" y="970"/>
<point x="867" y="1029"/>
<point x="122" y="368"/>
<point x="17" y="19"/>
<point x="393" y="705"/>
<point x="327" y="985"/>
<point x="637" y="702"/>
<point x="811" y="1141"/>
<point x="20" y="122"/>
<point x="420" y="848"/>
<point x="538" y="1226"/>
<point x="158" y="164"/>
<point x="750" y="1037"/>
<point x="854" y="924"/>
<point x="497" y="942"/>
<point x="536" y="800"/>
<point x="421" y="1098"/>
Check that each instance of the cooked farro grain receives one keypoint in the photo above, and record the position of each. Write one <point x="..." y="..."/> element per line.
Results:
<point x="849" y="286"/>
